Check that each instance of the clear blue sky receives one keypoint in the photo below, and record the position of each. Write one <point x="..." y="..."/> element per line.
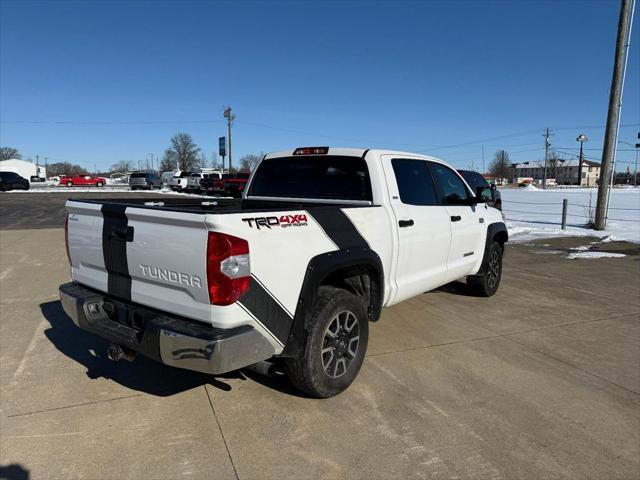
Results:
<point x="419" y="76"/>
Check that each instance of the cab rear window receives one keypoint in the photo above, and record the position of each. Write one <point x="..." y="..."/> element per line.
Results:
<point x="314" y="176"/>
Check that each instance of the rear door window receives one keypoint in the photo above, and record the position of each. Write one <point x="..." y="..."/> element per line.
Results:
<point x="313" y="176"/>
<point x="415" y="182"/>
<point x="450" y="184"/>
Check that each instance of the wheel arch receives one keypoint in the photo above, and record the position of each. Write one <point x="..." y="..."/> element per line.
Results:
<point x="496" y="231"/>
<point x="358" y="270"/>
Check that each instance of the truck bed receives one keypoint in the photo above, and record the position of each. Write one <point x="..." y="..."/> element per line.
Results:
<point x="210" y="205"/>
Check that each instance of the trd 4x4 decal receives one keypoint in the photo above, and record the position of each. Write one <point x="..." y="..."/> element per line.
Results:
<point x="284" y="221"/>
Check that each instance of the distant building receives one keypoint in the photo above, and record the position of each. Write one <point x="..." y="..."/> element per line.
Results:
<point x="25" y="169"/>
<point x="564" y="172"/>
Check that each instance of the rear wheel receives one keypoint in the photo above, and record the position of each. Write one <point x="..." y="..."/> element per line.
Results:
<point x="336" y="346"/>
<point x="487" y="283"/>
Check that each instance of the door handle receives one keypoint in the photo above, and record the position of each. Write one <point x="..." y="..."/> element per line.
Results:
<point x="456" y="218"/>
<point x="405" y="223"/>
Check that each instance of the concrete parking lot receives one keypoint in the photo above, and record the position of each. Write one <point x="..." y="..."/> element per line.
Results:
<point x="540" y="381"/>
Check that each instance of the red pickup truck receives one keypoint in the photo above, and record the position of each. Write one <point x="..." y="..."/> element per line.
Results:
<point x="75" y="180"/>
<point x="230" y="185"/>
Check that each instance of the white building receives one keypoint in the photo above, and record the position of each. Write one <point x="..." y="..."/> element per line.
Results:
<point x="564" y="172"/>
<point x="28" y="170"/>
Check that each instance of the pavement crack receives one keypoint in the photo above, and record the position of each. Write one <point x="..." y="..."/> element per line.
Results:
<point x="73" y="406"/>
<point x="573" y="366"/>
<point x="226" y="446"/>
<point x="424" y="347"/>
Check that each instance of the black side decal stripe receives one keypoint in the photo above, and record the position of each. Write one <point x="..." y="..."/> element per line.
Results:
<point x="338" y="227"/>
<point x="114" y="251"/>
<point x="259" y="302"/>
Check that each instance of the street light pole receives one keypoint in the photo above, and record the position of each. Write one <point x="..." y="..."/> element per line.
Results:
<point x="230" y="118"/>
<point x="581" y="138"/>
<point x="547" y="144"/>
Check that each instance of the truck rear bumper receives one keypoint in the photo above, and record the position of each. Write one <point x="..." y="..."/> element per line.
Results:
<point x="163" y="337"/>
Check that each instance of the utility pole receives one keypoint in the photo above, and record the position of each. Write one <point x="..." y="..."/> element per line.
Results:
<point x="613" y="115"/>
<point x="635" y="172"/>
<point x="581" y="138"/>
<point x="230" y="118"/>
<point x="547" y="144"/>
<point x="483" y="169"/>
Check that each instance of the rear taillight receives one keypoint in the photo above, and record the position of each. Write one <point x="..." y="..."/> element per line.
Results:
<point x="66" y="237"/>
<point x="228" y="268"/>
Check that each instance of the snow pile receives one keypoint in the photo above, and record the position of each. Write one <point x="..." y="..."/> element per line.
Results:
<point x="573" y="256"/>
<point x="533" y="214"/>
<point x="529" y="188"/>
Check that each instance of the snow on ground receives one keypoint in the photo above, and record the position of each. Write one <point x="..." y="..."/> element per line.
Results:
<point x="573" y="256"/>
<point x="533" y="214"/>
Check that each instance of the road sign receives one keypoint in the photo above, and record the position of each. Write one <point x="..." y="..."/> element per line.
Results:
<point x="222" y="142"/>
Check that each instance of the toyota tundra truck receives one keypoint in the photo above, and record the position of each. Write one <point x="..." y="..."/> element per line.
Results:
<point x="292" y="273"/>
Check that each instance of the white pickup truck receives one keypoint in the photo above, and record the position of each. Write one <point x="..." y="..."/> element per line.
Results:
<point x="321" y="241"/>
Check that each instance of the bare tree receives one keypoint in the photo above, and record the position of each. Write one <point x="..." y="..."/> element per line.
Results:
<point x="168" y="162"/>
<point x="64" y="168"/>
<point x="182" y="151"/>
<point x="7" y="153"/>
<point x="204" y="163"/>
<point x="249" y="162"/>
<point x="500" y="166"/>
<point x="122" y="166"/>
<point x="554" y="163"/>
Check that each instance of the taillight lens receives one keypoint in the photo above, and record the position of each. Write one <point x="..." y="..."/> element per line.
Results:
<point x="66" y="237"/>
<point x="228" y="268"/>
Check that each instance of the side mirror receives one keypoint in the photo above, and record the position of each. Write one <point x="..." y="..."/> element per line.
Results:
<point x="483" y="194"/>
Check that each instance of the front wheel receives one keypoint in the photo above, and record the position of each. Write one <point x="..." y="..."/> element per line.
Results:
<point x="69" y="183"/>
<point x="336" y="346"/>
<point x="486" y="284"/>
<point x="99" y="184"/>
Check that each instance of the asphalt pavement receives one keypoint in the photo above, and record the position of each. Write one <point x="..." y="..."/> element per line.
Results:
<point x="539" y="381"/>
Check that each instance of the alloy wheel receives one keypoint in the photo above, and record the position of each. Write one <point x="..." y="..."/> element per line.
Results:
<point x="340" y="344"/>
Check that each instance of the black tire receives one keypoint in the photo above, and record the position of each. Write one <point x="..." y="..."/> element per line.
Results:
<point x="487" y="283"/>
<point x="334" y="352"/>
<point x="99" y="184"/>
<point x="69" y="183"/>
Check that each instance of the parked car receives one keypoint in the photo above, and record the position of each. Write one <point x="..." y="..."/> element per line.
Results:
<point x="178" y="181"/>
<point x="193" y="182"/>
<point x="83" y="180"/>
<point x="12" y="181"/>
<point x="321" y="241"/>
<point x="144" y="180"/>
<point x="164" y="179"/>
<point x="226" y="184"/>
<point x="479" y="184"/>
<point x="235" y="185"/>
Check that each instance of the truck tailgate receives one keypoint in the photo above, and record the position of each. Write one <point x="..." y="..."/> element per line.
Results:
<point x="151" y="257"/>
